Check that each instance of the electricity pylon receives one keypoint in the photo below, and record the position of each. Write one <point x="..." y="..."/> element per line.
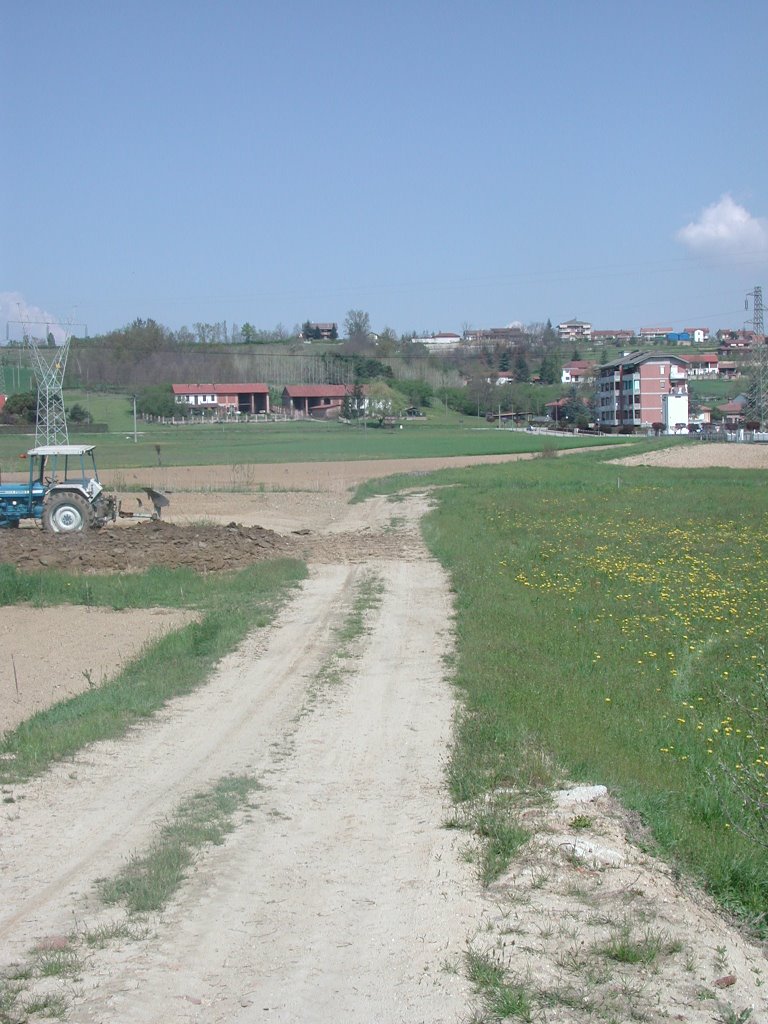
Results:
<point x="49" y="362"/>
<point x="51" y="427"/>
<point x="758" y="396"/>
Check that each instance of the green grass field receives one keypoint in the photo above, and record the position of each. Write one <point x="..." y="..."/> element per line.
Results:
<point x="114" y="410"/>
<point x="611" y="629"/>
<point x="297" y="441"/>
<point x="717" y="391"/>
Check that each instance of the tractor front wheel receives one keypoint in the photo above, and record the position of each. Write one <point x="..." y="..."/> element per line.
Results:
<point x="67" y="513"/>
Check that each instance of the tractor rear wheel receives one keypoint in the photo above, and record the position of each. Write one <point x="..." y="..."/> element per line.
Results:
<point x="67" y="513"/>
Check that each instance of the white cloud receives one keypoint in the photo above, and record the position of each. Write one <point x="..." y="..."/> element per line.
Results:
<point x="15" y="312"/>
<point x="726" y="228"/>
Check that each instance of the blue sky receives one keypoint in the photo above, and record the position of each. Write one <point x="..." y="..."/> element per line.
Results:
<point x="439" y="165"/>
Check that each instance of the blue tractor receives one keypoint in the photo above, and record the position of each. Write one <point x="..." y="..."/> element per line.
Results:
<point x="63" y="491"/>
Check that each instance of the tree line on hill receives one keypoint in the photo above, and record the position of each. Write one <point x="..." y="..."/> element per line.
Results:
<point x="145" y="357"/>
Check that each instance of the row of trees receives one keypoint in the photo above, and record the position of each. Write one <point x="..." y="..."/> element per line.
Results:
<point x="144" y="336"/>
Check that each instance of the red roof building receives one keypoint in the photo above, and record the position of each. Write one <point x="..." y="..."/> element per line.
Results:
<point x="706" y="364"/>
<point x="578" y="371"/>
<point x="733" y="412"/>
<point x="229" y="398"/>
<point x="729" y="340"/>
<point x="320" y="400"/>
<point x="622" y="335"/>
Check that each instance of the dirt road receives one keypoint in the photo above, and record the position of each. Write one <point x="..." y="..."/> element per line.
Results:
<point x="339" y="897"/>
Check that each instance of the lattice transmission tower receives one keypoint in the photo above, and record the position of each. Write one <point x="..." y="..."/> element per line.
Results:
<point x="758" y="325"/>
<point x="49" y="362"/>
<point x="758" y="392"/>
<point x="50" y="365"/>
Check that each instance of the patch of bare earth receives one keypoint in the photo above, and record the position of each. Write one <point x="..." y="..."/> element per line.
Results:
<point x="340" y="897"/>
<point x="50" y="654"/>
<point x="598" y="930"/>
<point x="703" y="455"/>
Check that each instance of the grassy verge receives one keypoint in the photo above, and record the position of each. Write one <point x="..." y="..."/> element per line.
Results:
<point x="150" y="879"/>
<point x="610" y="629"/>
<point x="229" y="604"/>
<point x="495" y="823"/>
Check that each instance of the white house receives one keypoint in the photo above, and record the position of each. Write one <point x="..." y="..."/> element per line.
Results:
<point x="698" y="334"/>
<point x="578" y="371"/>
<point x="445" y="338"/>
<point x="442" y="340"/>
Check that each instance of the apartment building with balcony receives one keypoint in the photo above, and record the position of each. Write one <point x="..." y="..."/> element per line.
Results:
<point x="642" y="388"/>
<point x="574" y="330"/>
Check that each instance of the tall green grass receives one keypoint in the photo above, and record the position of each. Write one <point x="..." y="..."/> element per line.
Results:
<point x="230" y="604"/>
<point x="609" y="618"/>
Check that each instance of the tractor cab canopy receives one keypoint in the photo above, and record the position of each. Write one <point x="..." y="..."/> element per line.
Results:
<point x="62" y="449"/>
<point x="63" y="464"/>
